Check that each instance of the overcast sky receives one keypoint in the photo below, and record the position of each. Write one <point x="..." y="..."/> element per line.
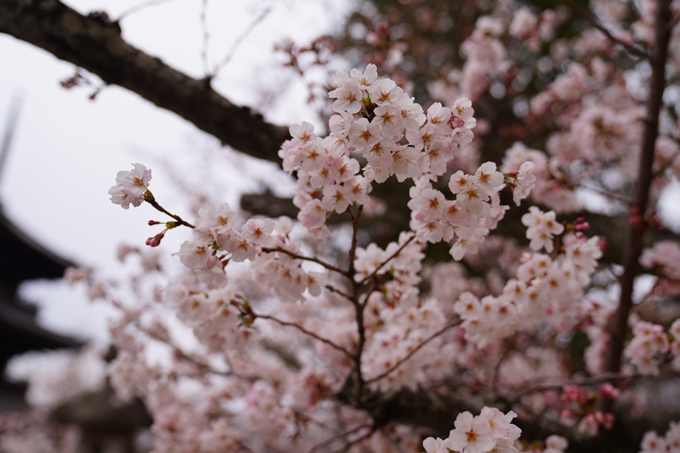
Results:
<point x="67" y="149"/>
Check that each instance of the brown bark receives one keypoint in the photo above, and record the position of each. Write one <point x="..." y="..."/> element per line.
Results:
<point x="636" y="230"/>
<point x="95" y="44"/>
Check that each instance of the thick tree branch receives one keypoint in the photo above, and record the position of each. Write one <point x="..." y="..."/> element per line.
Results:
<point x="385" y="228"/>
<point x="95" y="44"/>
<point x="636" y="230"/>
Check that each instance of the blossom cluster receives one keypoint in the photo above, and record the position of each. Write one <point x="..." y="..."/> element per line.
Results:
<point x="33" y="430"/>
<point x="665" y="256"/>
<point x="377" y="121"/>
<point x="275" y="375"/>
<point x="469" y="218"/>
<point x="592" y="114"/>
<point x="545" y="289"/>
<point x="491" y="430"/>
<point x="649" y="345"/>
<point x="669" y="443"/>
<point x="130" y="186"/>
<point x="542" y="227"/>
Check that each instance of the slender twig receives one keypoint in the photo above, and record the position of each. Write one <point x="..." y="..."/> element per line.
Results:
<point x="414" y="350"/>
<point x="307" y="418"/>
<point x="353" y="247"/>
<point x="328" y="266"/>
<point x="185" y="356"/>
<point x="497" y="368"/>
<point x="140" y="7"/>
<point x="606" y="377"/>
<point x="392" y="442"/>
<point x="332" y="439"/>
<point x="206" y="38"/>
<point x="305" y="331"/>
<point x="245" y="447"/>
<point x="149" y="198"/>
<point x="358" y="308"/>
<point x="636" y="230"/>
<point x="367" y="294"/>
<point x="384" y="263"/>
<point x="590" y="18"/>
<point x="338" y="292"/>
<point x="569" y="432"/>
<point x="665" y="167"/>
<point x="237" y="42"/>
<point x="607" y="194"/>
<point x="359" y="439"/>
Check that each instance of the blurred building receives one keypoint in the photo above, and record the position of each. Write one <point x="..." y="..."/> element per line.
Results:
<point x="22" y="259"/>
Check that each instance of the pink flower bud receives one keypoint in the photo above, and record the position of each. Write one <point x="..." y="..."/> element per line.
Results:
<point x="605" y="419"/>
<point x="156" y="240"/>
<point x="607" y="390"/>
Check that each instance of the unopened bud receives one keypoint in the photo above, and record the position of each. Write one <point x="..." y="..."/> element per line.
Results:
<point x="156" y="240"/>
<point x="602" y="243"/>
<point x="607" y="390"/>
<point x="635" y="220"/>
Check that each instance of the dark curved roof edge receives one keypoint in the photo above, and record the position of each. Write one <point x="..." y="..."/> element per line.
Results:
<point x="22" y="258"/>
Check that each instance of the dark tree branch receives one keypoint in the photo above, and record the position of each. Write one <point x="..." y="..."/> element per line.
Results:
<point x="306" y="332"/>
<point x="387" y="260"/>
<point x="414" y="350"/>
<point x="313" y="259"/>
<point x="381" y="229"/>
<point x="95" y="44"/>
<point x="385" y="228"/>
<point x="636" y="230"/>
<point x="323" y="446"/>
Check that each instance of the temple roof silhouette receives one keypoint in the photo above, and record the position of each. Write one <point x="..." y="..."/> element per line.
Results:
<point x="22" y="259"/>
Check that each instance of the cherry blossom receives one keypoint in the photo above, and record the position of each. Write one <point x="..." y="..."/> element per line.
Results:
<point x="542" y="228"/>
<point x="303" y="328"/>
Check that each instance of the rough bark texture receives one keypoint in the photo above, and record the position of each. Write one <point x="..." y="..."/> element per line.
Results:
<point x="95" y="44"/>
